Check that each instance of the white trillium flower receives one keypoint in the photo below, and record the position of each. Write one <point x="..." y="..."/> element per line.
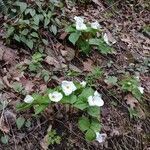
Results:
<point x="95" y="25"/>
<point x="28" y="99"/>
<point x="83" y="83"/>
<point x="95" y="100"/>
<point x="55" y="96"/>
<point x="100" y="137"/>
<point x="80" y="23"/>
<point x="68" y="87"/>
<point x="141" y="89"/>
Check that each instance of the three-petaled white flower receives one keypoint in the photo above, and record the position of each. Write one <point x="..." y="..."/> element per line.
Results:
<point x="83" y="83"/>
<point x="68" y="87"/>
<point x="141" y="89"/>
<point x="55" y="96"/>
<point x="28" y="99"/>
<point x="95" y="25"/>
<point x="80" y="25"/>
<point x="95" y="100"/>
<point x="100" y="137"/>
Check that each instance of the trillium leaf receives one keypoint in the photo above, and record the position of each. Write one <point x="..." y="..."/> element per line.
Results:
<point x="4" y="139"/>
<point x="73" y="38"/>
<point x="94" y="111"/>
<point x="95" y="125"/>
<point x="29" y="43"/>
<point x="86" y="93"/>
<point x="80" y="104"/>
<point x="69" y="99"/>
<point x="90" y="135"/>
<point x="39" y="108"/>
<point x="84" y="124"/>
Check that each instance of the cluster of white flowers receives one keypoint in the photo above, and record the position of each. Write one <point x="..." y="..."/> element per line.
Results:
<point x="95" y="100"/>
<point x="80" y="25"/>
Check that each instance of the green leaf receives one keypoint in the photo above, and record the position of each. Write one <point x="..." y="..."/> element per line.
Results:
<point x="25" y="32"/>
<point x="95" y="125"/>
<point x="73" y="38"/>
<point x="29" y="43"/>
<point x="84" y="124"/>
<point x="34" y="34"/>
<point x="17" y="87"/>
<point x="94" y="41"/>
<point x="20" y="122"/>
<point x="90" y="135"/>
<point x="70" y="29"/>
<point x="32" y="12"/>
<point x="84" y="46"/>
<point x="4" y="139"/>
<point x="23" y="106"/>
<point x="86" y="93"/>
<point x="94" y="111"/>
<point x="36" y="19"/>
<point x="46" y="21"/>
<point x="111" y="80"/>
<point x="39" y="108"/>
<point x="45" y="41"/>
<point x="16" y="37"/>
<point x="22" y="6"/>
<point x="53" y="29"/>
<point x="80" y="104"/>
<point x="10" y="31"/>
<point x="69" y="99"/>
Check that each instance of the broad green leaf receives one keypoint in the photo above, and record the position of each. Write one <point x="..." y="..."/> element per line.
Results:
<point x="36" y="19"/>
<point x="111" y="80"/>
<point x="17" y="87"/>
<point x="84" y="124"/>
<point x="80" y="104"/>
<point x="84" y="46"/>
<point x="34" y="34"/>
<point x="73" y="38"/>
<point x="69" y="99"/>
<point x="46" y="21"/>
<point x="22" y="6"/>
<point x="95" y="125"/>
<point x="39" y="108"/>
<point x="86" y="93"/>
<point x="53" y="29"/>
<point x="20" y="122"/>
<point x="70" y="29"/>
<point x="32" y="12"/>
<point x="29" y="43"/>
<point x="25" y="32"/>
<point x="90" y="135"/>
<point x="23" y="106"/>
<point x="94" y="41"/>
<point x="4" y="139"/>
<point x="94" y="111"/>
<point x="10" y="31"/>
<point x="16" y="37"/>
<point x="45" y="41"/>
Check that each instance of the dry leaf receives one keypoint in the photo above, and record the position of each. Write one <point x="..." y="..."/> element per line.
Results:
<point x="51" y="61"/>
<point x="131" y="101"/>
<point x="88" y="65"/>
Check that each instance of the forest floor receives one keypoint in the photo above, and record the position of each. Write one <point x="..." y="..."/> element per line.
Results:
<point x="124" y="22"/>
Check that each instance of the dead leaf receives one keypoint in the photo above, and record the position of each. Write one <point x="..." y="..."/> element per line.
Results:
<point x="44" y="143"/>
<point x="63" y="35"/>
<point x="88" y="65"/>
<point x="6" y="82"/>
<point x="51" y="61"/>
<point x="109" y="39"/>
<point x="131" y="101"/>
<point x="97" y="2"/>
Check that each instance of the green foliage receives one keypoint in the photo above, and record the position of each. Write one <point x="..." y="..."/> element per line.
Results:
<point x="133" y="113"/>
<point x="89" y="127"/>
<point x="4" y="139"/>
<point x="94" y="75"/>
<point x="111" y="80"/>
<point x="53" y="138"/>
<point x="35" y="64"/>
<point x="29" y="22"/>
<point x="131" y="84"/>
<point x="78" y="99"/>
<point x="86" y="40"/>
<point x="20" y="122"/>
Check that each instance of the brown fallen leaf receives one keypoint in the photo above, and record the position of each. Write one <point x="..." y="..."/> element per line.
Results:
<point x="88" y="65"/>
<point x="131" y="101"/>
<point x="44" y="143"/>
<point x="51" y="61"/>
<point x="6" y="82"/>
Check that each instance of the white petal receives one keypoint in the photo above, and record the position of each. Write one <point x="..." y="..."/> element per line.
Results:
<point x="28" y="99"/>
<point x="105" y="37"/>
<point x="141" y="89"/>
<point x="80" y="26"/>
<point x="98" y="101"/>
<point x="101" y="137"/>
<point x="83" y="83"/>
<point x="78" y="19"/>
<point x="55" y="96"/>
<point x="95" y="25"/>
<point x="90" y="101"/>
<point x="68" y="87"/>
<point x="96" y="94"/>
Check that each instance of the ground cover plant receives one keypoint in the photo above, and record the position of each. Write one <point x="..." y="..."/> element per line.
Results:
<point x="74" y="75"/>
